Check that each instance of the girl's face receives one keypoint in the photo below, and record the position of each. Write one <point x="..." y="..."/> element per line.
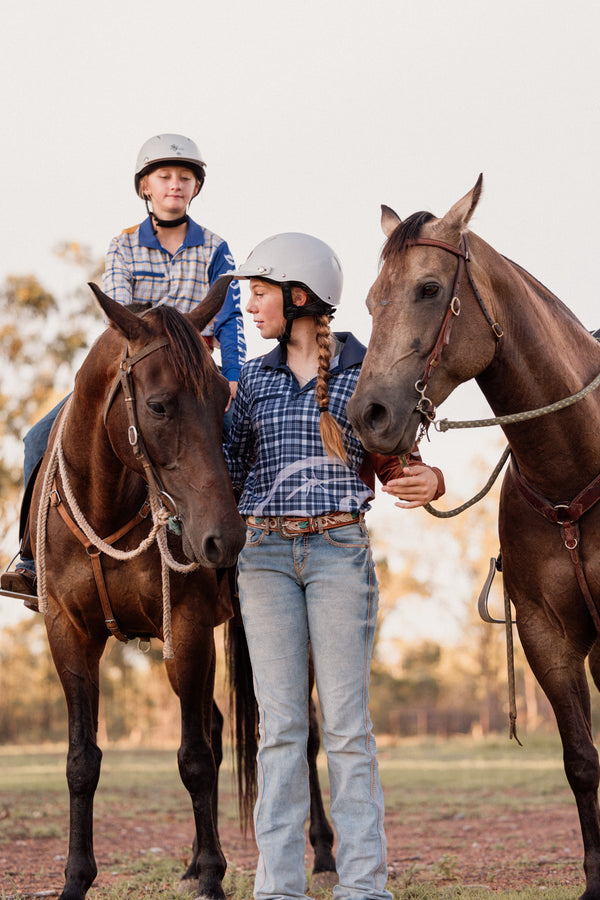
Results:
<point x="170" y="189"/>
<point x="266" y="308"/>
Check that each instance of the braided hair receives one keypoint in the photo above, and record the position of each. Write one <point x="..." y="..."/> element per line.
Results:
<point x="331" y="433"/>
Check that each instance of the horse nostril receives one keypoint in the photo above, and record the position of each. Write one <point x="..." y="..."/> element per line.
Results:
<point x="376" y="416"/>
<point x="213" y="550"/>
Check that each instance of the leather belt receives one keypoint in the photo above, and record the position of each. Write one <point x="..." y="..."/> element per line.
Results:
<point x="288" y="526"/>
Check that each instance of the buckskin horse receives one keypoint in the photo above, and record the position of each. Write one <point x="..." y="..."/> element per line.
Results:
<point x="137" y="458"/>
<point x="446" y="308"/>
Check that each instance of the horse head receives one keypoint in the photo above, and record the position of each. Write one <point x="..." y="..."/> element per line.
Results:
<point x="163" y="415"/>
<point x="411" y="364"/>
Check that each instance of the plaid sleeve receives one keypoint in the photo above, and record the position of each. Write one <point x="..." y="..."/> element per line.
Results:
<point x="117" y="280"/>
<point x="240" y="451"/>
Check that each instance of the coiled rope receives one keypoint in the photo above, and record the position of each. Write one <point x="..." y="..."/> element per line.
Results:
<point x="160" y="518"/>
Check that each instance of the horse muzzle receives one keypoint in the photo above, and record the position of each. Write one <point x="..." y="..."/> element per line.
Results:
<point x="214" y="547"/>
<point x="382" y="427"/>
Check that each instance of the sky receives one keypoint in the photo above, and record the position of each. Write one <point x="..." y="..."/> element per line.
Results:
<point x="310" y="115"/>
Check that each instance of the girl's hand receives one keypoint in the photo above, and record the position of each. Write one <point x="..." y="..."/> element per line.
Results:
<point x="416" y="489"/>
<point x="232" y="392"/>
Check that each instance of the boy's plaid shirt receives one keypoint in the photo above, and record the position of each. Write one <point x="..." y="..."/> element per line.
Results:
<point x="139" y="269"/>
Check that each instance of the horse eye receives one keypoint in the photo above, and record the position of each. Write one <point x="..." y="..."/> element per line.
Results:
<point x="157" y="408"/>
<point x="430" y="289"/>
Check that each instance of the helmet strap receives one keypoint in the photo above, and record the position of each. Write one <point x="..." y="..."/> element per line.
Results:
<point x="164" y="223"/>
<point x="289" y="312"/>
<point x="315" y="307"/>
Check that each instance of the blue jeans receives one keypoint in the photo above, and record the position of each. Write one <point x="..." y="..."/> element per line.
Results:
<point x="36" y="441"/>
<point x="322" y="589"/>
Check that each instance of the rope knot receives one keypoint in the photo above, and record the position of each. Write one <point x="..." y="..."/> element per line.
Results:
<point x="162" y="516"/>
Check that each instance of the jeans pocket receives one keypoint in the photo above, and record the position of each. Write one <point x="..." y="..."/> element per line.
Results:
<point x="254" y="536"/>
<point x="353" y="536"/>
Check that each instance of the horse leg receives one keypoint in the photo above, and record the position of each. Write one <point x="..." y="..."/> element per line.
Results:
<point x="559" y="665"/>
<point x="320" y="832"/>
<point x="77" y="661"/>
<point x="216" y="733"/>
<point x="216" y="739"/>
<point x="191" y="674"/>
<point x="594" y="662"/>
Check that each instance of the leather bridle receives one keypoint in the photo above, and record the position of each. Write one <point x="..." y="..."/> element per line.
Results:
<point x="124" y="380"/>
<point x="424" y="406"/>
<point x="565" y="515"/>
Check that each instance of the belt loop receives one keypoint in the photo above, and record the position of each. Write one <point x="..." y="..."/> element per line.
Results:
<point x="319" y="521"/>
<point x="267" y="524"/>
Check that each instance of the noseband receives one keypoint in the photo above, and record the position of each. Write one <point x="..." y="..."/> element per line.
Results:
<point x="124" y="380"/>
<point x="424" y="406"/>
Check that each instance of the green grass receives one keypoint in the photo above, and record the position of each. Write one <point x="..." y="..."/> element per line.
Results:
<point x="432" y="787"/>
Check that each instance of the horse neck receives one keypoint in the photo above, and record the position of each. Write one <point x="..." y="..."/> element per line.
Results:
<point x="545" y="355"/>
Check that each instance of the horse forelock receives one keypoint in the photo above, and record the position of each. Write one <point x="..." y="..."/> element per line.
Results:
<point x="407" y="231"/>
<point x="187" y="353"/>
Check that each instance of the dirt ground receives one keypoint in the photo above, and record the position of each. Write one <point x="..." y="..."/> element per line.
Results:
<point x="541" y="848"/>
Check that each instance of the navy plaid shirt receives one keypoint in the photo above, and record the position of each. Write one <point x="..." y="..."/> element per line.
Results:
<point x="274" y="450"/>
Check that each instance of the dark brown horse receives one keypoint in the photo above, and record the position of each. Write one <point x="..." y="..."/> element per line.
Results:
<point x="140" y="440"/>
<point x="137" y="452"/>
<point x="446" y="307"/>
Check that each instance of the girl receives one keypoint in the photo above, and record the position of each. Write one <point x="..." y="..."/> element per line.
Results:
<point x="306" y="574"/>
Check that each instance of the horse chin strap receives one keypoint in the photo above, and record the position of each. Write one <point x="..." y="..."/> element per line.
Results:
<point x="425" y="406"/>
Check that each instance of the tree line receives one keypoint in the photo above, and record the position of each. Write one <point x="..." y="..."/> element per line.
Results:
<point x="425" y="688"/>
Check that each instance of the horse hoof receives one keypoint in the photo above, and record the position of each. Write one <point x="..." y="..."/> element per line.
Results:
<point x="323" y="881"/>
<point x="188" y="886"/>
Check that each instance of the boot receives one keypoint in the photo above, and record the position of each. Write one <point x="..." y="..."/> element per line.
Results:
<point x="21" y="581"/>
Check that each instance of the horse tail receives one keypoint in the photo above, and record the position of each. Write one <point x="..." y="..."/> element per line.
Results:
<point x="243" y="709"/>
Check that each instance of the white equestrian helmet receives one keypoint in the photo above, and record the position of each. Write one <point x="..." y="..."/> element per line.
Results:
<point x="165" y="149"/>
<point x="297" y="258"/>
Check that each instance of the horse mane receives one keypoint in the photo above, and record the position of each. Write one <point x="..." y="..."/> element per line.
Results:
<point x="187" y="353"/>
<point x="541" y="288"/>
<point x="407" y="231"/>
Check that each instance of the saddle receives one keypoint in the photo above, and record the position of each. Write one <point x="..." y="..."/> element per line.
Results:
<point x="24" y="531"/>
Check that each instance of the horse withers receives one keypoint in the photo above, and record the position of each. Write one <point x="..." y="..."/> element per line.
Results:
<point x="143" y="430"/>
<point x="446" y="308"/>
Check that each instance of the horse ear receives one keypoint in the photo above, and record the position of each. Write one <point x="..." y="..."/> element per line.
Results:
<point x="459" y="215"/>
<point x="389" y="220"/>
<point x="212" y="303"/>
<point x="121" y="318"/>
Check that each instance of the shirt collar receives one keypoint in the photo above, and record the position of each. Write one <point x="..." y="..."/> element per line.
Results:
<point x="353" y="353"/>
<point x="194" y="236"/>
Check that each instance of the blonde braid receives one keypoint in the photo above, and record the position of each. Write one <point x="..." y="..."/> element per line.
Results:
<point x="331" y="433"/>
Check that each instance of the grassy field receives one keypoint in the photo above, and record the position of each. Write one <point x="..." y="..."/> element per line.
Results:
<point x="463" y="818"/>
